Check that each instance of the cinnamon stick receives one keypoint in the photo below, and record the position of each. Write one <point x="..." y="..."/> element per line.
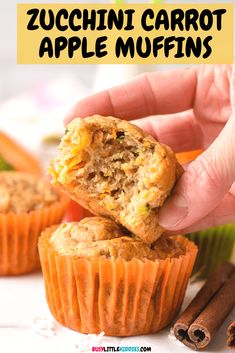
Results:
<point x="202" y="318"/>
<point x="231" y="335"/>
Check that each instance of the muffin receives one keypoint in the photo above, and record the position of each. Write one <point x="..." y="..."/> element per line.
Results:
<point x="114" y="169"/>
<point x="27" y="206"/>
<point x="99" y="278"/>
<point x="215" y="245"/>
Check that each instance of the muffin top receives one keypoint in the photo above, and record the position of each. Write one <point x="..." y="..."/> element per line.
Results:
<point x="93" y="237"/>
<point x="21" y="192"/>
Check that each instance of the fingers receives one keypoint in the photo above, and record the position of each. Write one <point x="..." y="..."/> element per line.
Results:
<point x="202" y="187"/>
<point x="148" y="94"/>
<point x="179" y="131"/>
<point x="222" y="214"/>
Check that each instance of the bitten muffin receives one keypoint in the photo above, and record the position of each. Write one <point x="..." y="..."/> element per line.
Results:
<point x="114" y="169"/>
<point x="98" y="278"/>
<point x="27" y="206"/>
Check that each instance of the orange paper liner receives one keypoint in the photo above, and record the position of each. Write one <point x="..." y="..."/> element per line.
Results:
<point x="19" y="237"/>
<point x="118" y="297"/>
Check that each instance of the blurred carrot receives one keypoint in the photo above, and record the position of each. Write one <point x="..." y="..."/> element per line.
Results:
<point x="189" y="156"/>
<point x="14" y="156"/>
<point x="75" y="212"/>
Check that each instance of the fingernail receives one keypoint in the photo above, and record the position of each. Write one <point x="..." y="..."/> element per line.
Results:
<point x="173" y="212"/>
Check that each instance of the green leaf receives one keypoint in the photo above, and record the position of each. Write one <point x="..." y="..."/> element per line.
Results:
<point x="4" y="165"/>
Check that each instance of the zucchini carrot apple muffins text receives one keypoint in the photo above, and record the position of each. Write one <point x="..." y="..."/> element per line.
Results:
<point x="98" y="278"/>
<point x="27" y="206"/>
<point x="114" y="169"/>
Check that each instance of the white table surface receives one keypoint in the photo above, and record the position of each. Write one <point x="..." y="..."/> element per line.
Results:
<point x="23" y="309"/>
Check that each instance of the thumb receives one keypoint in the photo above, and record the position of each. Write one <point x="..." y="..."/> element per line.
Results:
<point x="204" y="184"/>
<point x="232" y="89"/>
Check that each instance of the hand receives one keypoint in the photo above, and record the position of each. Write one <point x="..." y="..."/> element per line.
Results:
<point x="185" y="109"/>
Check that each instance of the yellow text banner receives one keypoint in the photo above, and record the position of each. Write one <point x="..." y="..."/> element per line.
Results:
<point x="128" y="33"/>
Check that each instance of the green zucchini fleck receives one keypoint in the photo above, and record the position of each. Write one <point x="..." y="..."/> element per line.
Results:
<point x="120" y="135"/>
<point x="148" y="207"/>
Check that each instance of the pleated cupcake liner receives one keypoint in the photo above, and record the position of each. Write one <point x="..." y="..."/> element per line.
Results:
<point x="215" y="245"/>
<point x="121" y="298"/>
<point x="19" y="235"/>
